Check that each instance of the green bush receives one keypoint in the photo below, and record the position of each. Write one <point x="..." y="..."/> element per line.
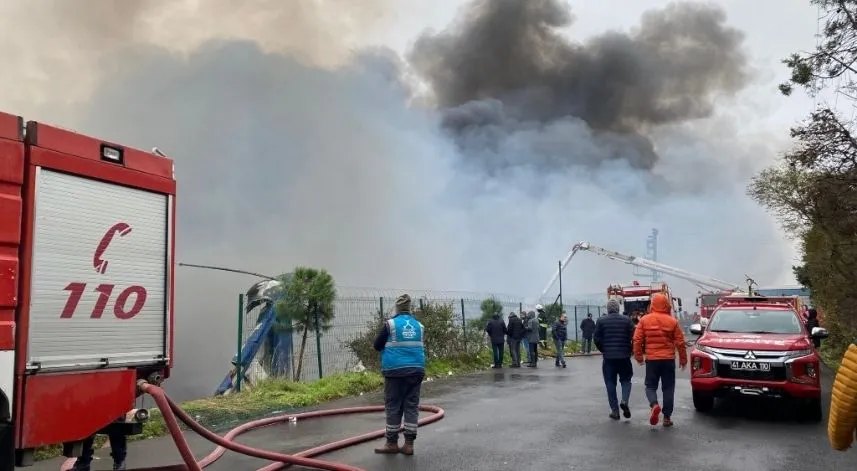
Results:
<point x="445" y="338"/>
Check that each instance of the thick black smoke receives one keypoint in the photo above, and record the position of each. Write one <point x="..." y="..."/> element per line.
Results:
<point x="506" y="66"/>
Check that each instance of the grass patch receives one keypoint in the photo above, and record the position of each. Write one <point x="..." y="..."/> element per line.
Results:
<point x="572" y="347"/>
<point x="831" y="355"/>
<point x="460" y="364"/>
<point x="277" y="396"/>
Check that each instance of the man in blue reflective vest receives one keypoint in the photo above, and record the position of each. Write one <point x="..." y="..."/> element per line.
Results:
<point x="403" y="364"/>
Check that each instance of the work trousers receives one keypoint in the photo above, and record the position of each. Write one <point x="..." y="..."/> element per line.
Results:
<point x="625" y="371"/>
<point x="498" y="349"/>
<point x="401" y="404"/>
<point x="560" y="347"/>
<point x="527" y="349"/>
<point x="515" y="351"/>
<point x="663" y="371"/>
<point x="118" y="449"/>
<point x="587" y="344"/>
<point x="534" y="353"/>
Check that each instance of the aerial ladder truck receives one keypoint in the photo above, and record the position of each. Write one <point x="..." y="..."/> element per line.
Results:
<point x="709" y="284"/>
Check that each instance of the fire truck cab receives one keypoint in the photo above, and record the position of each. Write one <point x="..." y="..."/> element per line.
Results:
<point x="637" y="297"/>
<point x="86" y="285"/>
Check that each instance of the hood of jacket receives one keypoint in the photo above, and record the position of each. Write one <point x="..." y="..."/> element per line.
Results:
<point x="660" y="303"/>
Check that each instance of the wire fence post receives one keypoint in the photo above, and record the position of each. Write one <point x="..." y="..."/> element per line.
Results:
<point x="559" y="268"/>
<point x="239" y="372"/>
<point x="464" y="324"/>
<point x="422" y="306"/>
<point x="317" y="339"/>
<point x="599" y="311"/>
<point x="576" y="324"/>
<point x="381" y="308"/>
<point x="520" y="307"/>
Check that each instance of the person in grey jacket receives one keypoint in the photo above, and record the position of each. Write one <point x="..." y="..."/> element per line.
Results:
<point x="614" y="334"/>
<point x="524" y="341"/>
<point x="532" y="327"/>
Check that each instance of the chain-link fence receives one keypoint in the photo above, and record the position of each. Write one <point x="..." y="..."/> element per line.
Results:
<point x="308" y="355"/>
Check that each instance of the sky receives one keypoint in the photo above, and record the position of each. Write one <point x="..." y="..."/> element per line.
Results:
<point x="434" y="145"/>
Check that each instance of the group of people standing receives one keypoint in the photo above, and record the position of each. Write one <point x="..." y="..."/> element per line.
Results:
<point x="529" y="330"/>
<point x="523" y="330"/>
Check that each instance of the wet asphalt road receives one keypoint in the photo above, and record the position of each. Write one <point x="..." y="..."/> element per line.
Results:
<point x="549" y="419"/>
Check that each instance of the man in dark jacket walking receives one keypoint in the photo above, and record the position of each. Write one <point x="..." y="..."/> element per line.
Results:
<point x="587" y="330"/>
<point x="614" y="335"/>
<point x="403" y="364"/>
<point x="515" y="332"/>
<point x="496" y="330"/>
<point x="559" y="332"/>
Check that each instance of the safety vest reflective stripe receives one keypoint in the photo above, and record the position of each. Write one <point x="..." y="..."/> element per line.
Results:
<point x="406" y="343"/>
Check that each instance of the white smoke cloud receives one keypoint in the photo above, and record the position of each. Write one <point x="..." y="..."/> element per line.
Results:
<point x="293" y="147"/>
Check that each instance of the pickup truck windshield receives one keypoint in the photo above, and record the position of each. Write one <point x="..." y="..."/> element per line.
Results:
<point x="756" y="321"/>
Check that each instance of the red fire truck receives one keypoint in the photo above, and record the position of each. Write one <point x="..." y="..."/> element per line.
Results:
<point x="86" y="285"/>
<point x="706" y="302"/>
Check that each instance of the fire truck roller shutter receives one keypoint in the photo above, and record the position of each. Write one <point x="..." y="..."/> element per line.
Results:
<point x="99" y="274"/>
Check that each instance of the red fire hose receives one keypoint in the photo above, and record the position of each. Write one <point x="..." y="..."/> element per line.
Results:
<point x="172" y="413"/>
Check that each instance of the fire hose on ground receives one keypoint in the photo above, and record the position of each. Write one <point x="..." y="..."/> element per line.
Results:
<point x="172" y="414"/>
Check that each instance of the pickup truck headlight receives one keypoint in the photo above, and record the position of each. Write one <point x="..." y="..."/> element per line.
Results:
<point x="704" y="349"/>
<point x="799" y="353"/>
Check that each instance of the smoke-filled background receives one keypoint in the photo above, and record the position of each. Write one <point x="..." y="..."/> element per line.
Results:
<point x="470" y="160"/>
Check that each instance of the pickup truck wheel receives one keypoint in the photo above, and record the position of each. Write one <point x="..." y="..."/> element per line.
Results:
<point x="813" y="410"/>
<point x="703" y="402"/>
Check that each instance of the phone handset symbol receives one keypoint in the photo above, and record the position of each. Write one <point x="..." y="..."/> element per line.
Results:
<point x="99" y="263"/>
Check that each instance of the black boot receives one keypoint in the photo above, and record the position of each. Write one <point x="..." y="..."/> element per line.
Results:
<point x="79" y="466"/>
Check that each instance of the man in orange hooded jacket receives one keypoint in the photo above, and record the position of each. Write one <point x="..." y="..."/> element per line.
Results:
<point x="658" y="336"/>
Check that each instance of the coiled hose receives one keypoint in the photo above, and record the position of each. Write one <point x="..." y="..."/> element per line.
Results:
<point x="172" y="413"/>
<point x="842" y="423"/>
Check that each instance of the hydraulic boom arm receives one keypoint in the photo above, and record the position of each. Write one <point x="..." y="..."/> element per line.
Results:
<point x="702" y="281"/>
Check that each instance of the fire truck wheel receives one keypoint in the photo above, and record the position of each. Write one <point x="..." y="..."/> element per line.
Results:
<point x="703" y="402"/>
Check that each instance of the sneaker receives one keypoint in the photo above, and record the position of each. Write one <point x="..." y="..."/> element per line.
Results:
<point x="656" y="414"/>
<point x="119" y="466"/>
<point x="668" y="422"/>
<point x="563" y="364"/>
<point x="80" y="467"/>
<point x="614" y="415"/>
<point x="626" y="411"/>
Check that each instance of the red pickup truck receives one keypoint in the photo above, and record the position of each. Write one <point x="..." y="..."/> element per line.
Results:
<point x="756" y="346"/>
